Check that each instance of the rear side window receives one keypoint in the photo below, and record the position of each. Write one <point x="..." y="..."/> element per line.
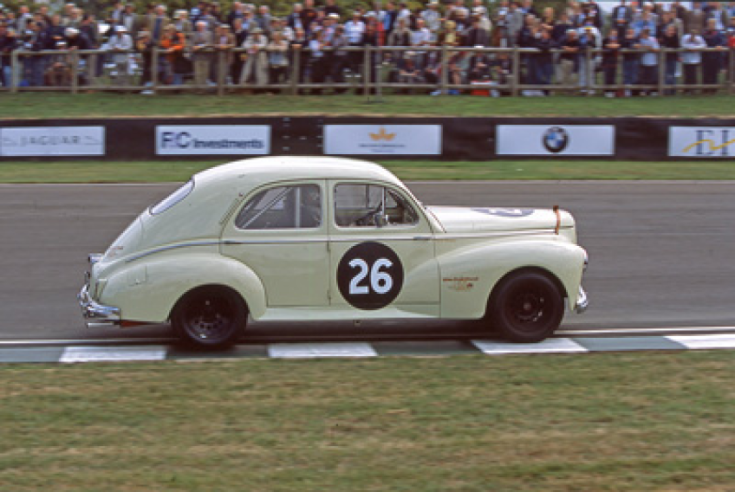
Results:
<point x="283" y="207"/>
<point x="172" y="199"/>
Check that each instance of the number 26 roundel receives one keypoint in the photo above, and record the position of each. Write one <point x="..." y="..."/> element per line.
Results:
<point x="370" y="276"/>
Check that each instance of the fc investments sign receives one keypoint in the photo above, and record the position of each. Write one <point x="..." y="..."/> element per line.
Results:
<point x="702" y="141"/>
<point x="213" y="140"/>
<point x="382" y="139"/>
<point x="555" y="140"/>
<point x="36" y="141"/>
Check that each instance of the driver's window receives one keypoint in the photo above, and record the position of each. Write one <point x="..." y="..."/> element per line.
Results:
<point x="366" y="205"/>
<point x="283" y="207"/>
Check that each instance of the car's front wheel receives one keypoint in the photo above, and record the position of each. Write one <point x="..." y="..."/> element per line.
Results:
<point x="526" y="307"/>
<point x="210" y="317"/>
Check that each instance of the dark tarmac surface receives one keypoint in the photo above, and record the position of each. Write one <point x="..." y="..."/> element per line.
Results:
<point x="661" y="254"/>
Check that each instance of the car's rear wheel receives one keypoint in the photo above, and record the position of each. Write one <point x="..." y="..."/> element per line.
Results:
<point x="210" y="317"/>
<point x="526" y="307"/>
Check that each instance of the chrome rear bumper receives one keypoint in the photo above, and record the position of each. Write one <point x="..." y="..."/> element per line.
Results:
<point x="97" y="315"/>
<point x="583" y="301"/>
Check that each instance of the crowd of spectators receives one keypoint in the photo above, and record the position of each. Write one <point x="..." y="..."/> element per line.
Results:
<point x="570" y="46"/>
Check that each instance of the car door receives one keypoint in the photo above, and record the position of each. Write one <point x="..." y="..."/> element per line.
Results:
<point x="381" y="248"/>
<point x="280" y="232"/>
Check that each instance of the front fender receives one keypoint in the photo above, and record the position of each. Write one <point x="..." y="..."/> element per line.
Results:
<point x="148" y="288"/>
<point x="469" y="273"/>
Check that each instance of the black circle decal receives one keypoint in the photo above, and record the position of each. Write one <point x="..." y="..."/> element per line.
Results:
<point x="555" y="139"/>
<point x="370" y="276"/>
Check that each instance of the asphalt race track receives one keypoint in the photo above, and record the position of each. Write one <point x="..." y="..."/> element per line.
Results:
<point x="661" y="254"/>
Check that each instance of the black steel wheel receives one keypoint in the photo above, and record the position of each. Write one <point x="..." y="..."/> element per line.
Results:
<point x="526" y="307"/>
<point x="210" y="317"/>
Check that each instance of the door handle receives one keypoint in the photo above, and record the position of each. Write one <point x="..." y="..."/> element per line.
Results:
<point x="421" y="238"/>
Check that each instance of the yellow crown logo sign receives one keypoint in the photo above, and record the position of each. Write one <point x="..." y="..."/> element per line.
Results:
<point x="382" y="135"/>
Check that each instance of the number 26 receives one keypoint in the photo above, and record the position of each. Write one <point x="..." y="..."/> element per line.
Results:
<point x="381" y="282"/>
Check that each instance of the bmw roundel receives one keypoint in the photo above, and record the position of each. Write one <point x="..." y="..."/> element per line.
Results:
<point x="555" y="139"/>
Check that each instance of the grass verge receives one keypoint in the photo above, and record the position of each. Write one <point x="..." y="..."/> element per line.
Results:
<point x="470" y="423"/>
<point x="152" y="171"/>
<point x="54" y="106"/>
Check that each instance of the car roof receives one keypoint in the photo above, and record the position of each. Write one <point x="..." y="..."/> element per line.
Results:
<point x="263" y="170"/>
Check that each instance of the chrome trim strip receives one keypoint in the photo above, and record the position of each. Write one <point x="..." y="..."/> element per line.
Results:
<point x="170" y="247"/>
<point x="233" y="242"/>
<point x="478" y="235"/>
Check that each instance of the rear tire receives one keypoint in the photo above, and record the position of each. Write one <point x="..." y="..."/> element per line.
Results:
<point x="210" y="318"/>
<point x="526" y="307"/>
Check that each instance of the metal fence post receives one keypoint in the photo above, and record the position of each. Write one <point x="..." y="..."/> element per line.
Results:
<point x="443" y="82"/>
<point x="73" y="56"/>
<point x="515" y="76"/>
<point x="295" y="70"/>
<point x="221" y="72"/>
<point x="590" y="71"/>
<point x="15" y="67"/>
<point x="366" y="72"/>
<point x="154" y="69"/>
<point x="731" y="72"/>
<point x="661" y="70"/>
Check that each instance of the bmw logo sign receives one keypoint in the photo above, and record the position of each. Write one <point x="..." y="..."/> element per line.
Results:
<point x="555" y="139"/>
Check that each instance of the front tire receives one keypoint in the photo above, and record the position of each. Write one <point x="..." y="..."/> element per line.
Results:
<point x="210" y="318"/>
<point x="526" y="307"/>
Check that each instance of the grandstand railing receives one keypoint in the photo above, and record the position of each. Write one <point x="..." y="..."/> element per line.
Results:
<point x="372" y="70"/>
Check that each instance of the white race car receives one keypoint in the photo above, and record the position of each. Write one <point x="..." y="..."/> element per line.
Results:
<point x="317" y="238"/>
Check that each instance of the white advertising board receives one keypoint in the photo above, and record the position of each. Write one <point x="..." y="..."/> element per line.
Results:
<point x="213" y="140"/>
<point x="702" y="141"/>
<point x="36" y="141"/>
<point x="555" y="140"/>
<point x="382" y="139"/>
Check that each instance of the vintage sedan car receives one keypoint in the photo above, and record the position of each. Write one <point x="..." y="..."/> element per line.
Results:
<point x="317" y="238"/>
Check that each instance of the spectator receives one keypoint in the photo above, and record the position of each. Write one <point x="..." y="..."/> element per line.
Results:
<point x="670" y="41"/>
<point x="156" y="22"/>
<point x="183" y="24"/>
<point x="588" y="39"/>
<point x="630" y="60"/>
<point x="692" y="58"/>
<point x="545" y="59"/>
<point x="611" y="46"/>
<point x="649" y="61"/>
<point x="432" y="18"/>
<point x="121" y="44"/>
<point x="144" y="46"/>
<point x="171" y="62"/>
<point x="256" y="59"/>
<point x="236" y="12"/>
<point x="278" y="59"/>
<point x="513" y="23"/>
<point x="569" y="59"/>
<point x="224" y="41"/>
<point x="202" y="43"/>
<point x="718" y="14"/>
<point x="622" y="17"/>
<point x="35" y="64"/>
<point x="331" y="7"/>
<point x="475" y="35"/>
<point x="712" y="60"/>
<point x="694" y="19"/>
<point x="8" y="44"/>
<point x="129" y="19"/>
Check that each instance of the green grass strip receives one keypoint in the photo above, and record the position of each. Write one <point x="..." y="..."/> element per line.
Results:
<point x="603" y="422"/>
<point x="168" y="171"/>
<point x="106" y="105"/>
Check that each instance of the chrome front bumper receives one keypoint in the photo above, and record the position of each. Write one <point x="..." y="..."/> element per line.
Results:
<point x="583" y="301"/>
<point x="97" y="315"/>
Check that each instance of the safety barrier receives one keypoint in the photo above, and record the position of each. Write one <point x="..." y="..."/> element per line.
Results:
<point x="365" y="70"/>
